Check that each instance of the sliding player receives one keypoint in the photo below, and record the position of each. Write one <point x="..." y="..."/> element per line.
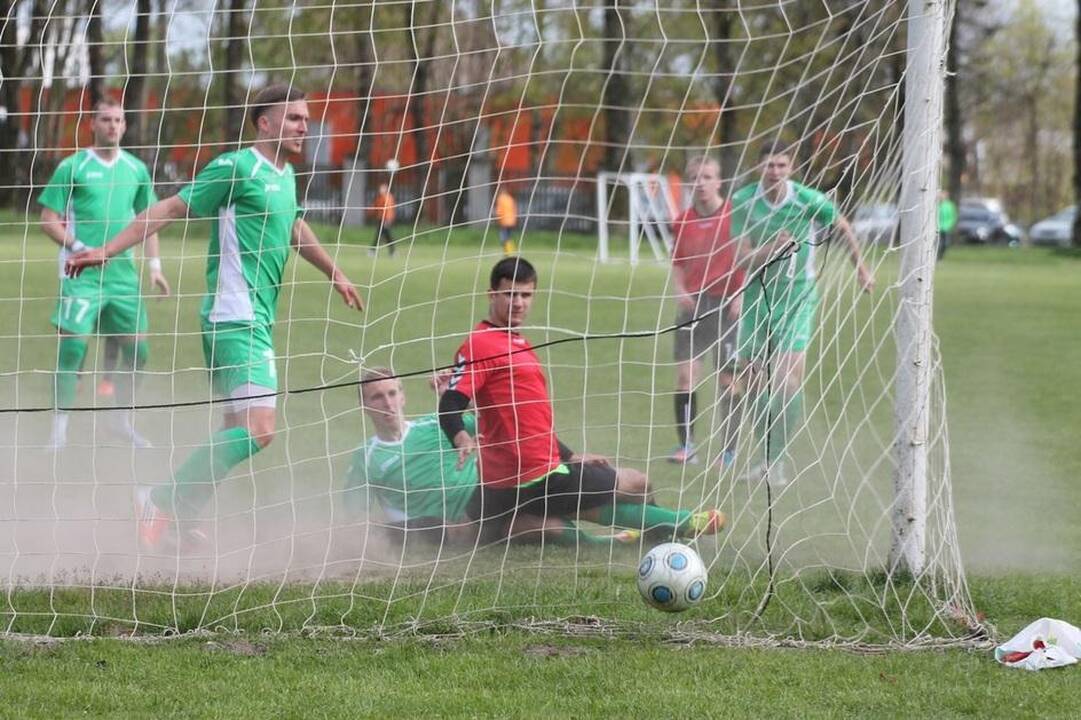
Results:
<point x="774" y="222"/>
<point x="91" y="197"/>
<point x="252" y="194"/>
<point x="411" y="469"/>
<point x="708" y="286"/>
<point x="523" y="466"/>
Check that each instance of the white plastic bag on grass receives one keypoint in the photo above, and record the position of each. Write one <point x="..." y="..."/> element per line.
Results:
<point x="1046" y="643"/>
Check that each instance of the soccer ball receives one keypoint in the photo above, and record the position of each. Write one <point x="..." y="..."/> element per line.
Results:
<point x="392" y="164"/>
<point x="671" y="577"/>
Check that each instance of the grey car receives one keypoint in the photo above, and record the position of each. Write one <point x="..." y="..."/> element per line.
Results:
<point x="984" y="221"/>
<point x="1055" y="230"/>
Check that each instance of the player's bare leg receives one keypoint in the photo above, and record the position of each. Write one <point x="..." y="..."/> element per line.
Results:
<point x="133" y="351"/>
<point x="779" y="412"/>
<point x="246" y="430"/>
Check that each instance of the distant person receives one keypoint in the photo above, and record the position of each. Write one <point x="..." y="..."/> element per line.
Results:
<point x="775" y="222"/>
<point x="708" y="286"/>
<point x="947" y="221"/>
<point x="90" y="198"/>
<point x="383" y="212"/>
<point x="506" y="214"/>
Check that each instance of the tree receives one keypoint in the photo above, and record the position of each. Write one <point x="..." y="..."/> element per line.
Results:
<point x="234" y="50"/>
<point x="95" y="44"/>
<point x="135" y="93"/>
<point x="953" y="121"/>
<point x="617" y="122"/>
<point x="1077" y="129"/>
<point x="16" y="62"/>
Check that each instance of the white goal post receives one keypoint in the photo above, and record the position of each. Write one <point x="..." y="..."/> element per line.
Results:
<point x="649" y="213"/>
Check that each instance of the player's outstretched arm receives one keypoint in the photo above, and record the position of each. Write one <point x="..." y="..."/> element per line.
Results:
<point x="153" y="259"/>
<point x="753" y="259"/>
<point x="309" y="248"/>
<point x="155" y="218"/>
<point x="864" y="276"/>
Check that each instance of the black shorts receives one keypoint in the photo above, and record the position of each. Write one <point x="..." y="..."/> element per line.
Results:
<point x="582" y="486"/>
<point x="712" y="331"/>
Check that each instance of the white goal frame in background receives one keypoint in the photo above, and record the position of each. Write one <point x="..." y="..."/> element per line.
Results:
<point x="649" y="214"/>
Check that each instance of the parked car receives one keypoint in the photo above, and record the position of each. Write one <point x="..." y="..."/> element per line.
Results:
<point x="1055" y="230"/>
<point x="875" y="223"/>
<point x="983" y="220"/>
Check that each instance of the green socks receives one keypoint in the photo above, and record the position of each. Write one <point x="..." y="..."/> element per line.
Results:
<point x="639" y="517"/>
<point x="780" y="421"/>
<point x="69" y="361"/>
<point x="573" y="535"/>
<point x="194" y="481"/>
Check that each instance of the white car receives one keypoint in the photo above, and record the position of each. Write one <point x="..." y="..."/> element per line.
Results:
<point x="875" y="223"/>
<point x="1055" y="230"/>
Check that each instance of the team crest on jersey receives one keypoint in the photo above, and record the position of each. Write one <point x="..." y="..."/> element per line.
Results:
<point x="457" y="373"/>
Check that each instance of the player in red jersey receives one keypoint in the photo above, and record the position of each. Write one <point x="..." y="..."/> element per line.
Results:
<point x="708" y="285"/>
<point x="523" y="465"/>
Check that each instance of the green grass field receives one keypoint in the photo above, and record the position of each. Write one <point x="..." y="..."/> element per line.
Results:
<point x="1004" y="319"/>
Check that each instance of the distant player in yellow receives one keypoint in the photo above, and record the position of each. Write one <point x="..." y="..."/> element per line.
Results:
<point x="91" y="197"/>
<point x="383" y="215"/>
<point x="506" y="214"/>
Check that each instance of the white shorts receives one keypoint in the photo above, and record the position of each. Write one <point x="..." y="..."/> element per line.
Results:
<point x="247" y="396"/>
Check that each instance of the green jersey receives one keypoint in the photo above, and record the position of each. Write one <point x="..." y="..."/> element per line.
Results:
<point x="98" y="199"/>
<point x="802" y="211"/>
<point x="255" y="206"/>
<point x="415" y="477"/>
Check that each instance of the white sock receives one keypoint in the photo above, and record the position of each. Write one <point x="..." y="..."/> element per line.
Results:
<point x="60" y="428"/>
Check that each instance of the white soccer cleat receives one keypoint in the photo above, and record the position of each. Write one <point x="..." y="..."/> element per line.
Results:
<point x="775" y="474"/>
<point x="120" y="424"/>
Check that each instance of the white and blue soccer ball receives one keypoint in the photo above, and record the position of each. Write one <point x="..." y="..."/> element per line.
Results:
<point x="672" y="578"/>
<point x="392" y="165"/>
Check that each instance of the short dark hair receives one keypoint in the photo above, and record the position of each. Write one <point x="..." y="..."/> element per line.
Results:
<point x="776" y="146"/>
<point x="270" y="96"/>
<point x="374" y="374"/>
<point x="107" y="102"/>
<point x="516" y="269"/>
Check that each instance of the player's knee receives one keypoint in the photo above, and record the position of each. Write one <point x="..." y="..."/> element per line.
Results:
<point x="633" y="483"/>
<point x="262" y="436"/>
<point x="71" y="354"/>
<point x="532" y="528"/>
<point x="685" y="377"/>
<point x="262" y="429"/>
<point x="135" y="353"/>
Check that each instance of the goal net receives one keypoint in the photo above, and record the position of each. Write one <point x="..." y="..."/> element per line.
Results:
<point x="440" y="136"/>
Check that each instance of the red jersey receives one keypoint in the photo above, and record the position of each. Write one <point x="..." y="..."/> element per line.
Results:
<point x="497" y="369"/>
<point x="705" y="253"/>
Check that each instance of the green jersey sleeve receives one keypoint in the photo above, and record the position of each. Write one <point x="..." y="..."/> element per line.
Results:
<point x="469" y="419"/>
<point x="57" y="193"/>
<point x="823" y="210"/>
<point x="211" y="188"/>
<point x="144" y="195"/>
<point x="741" y="210"/>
